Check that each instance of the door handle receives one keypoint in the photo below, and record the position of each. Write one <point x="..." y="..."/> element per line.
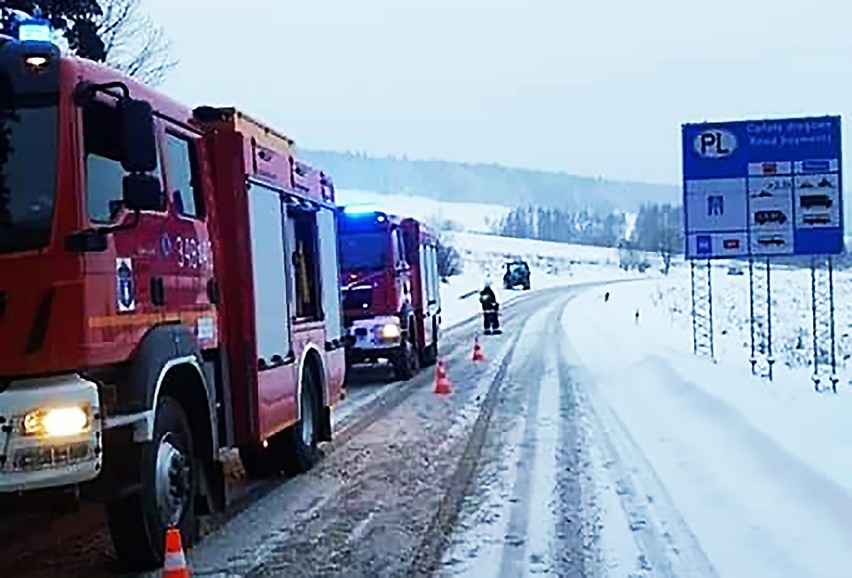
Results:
<point x="158" y="291"/>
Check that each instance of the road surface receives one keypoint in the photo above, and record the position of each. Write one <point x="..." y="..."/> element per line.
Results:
<point x="528" y="468"/>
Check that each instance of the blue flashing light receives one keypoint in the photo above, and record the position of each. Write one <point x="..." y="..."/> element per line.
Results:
<point x="35" y="30"/>
<point x="360" y="210"/>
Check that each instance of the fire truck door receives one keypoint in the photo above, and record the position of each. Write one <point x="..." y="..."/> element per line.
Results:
<point x="424" y="296"/>
<point x="329" y="275"/>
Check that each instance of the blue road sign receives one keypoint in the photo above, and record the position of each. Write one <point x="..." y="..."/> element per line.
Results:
<point x="765" y="187"/>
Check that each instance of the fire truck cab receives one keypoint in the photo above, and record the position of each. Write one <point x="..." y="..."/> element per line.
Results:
<point x="391" y="298"/>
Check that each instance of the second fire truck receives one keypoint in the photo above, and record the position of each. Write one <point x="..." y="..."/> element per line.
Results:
<point x="391" y="293"/>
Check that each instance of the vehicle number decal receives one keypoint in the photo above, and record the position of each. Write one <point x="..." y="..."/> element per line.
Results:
<point x="192" y="253"/>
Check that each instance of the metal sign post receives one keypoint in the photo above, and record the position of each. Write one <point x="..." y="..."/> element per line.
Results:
<point x="822" y="310"/>
<point x="702" y="308"/>
<point x="760" y="317"/>
<point x="756" y="190"/>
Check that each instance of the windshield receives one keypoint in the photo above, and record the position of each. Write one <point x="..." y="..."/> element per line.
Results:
<point x="27" y="172"/>
<point x="363" y="252"/>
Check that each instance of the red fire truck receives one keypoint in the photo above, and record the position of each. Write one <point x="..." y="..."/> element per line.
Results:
<point x="391" y="297"/>
<point x="168" y="291"/>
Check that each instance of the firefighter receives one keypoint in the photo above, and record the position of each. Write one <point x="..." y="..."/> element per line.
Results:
<point x="490" y="319"/>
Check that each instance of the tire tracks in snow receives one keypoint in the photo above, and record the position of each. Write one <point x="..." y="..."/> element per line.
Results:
<point x="577" y="526"/>
<point x="513" y="559"/>
<point x="427" y="557"/>
<point x="525" y="515"/>
<point x="545" y="534"/>
<point x="666" y="545"/>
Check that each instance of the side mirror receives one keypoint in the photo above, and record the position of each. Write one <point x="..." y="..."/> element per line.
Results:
<point x="86" y="241"/>
<point x="139" y="139"/>
<point x="142" y="193"/>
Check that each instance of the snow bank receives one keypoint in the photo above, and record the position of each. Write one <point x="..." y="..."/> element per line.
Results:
<point x="791" y="318"/>
<point x="759" y="471"/>
<point x="815" y="427"/>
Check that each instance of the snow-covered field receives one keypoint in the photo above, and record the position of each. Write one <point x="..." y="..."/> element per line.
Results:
<point x="791" y="315"/>
<point x="476" y="217"/>
<point x="740" y="476"/>
<point x="551" y="265"/>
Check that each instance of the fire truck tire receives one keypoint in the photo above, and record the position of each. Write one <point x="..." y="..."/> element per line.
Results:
<point x="170" y="476"/>
<point x="299" y="443"/>
<point x="258" y="462"/>
<point x="430" y="355"/>
<point x="405" y="362"/>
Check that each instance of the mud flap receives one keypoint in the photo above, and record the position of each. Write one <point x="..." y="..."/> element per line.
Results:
<point x="212" y="492"/>
<point x="325" y="425"/>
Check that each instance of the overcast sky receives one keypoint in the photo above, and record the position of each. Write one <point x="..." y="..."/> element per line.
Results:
<point x="591" y="87"/>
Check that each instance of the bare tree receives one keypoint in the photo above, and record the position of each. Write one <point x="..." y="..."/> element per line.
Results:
<point x="133" y="43"/>
<point x="449" y="260"/>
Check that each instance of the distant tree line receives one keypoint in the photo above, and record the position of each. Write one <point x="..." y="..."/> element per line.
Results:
<point x="483" y="183"/>
<point x="586" y="227"/>
<point x="658" y="228"/>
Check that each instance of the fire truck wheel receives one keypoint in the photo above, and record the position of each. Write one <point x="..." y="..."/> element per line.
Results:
<point x="138" y="522"/>
<point x="405" y="362"/>
<point x="258" y="462"/>
<point x="432" y="350"/>
<point x="299" y="443"/>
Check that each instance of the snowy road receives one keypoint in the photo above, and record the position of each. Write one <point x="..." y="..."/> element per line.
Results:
<point x="580" y="447"/>
<point x="525" y="512"/>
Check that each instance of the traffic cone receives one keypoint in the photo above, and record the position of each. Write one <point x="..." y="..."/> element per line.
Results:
<point x="442" y="381"/>
<point x="478" y="354"/>
<point x="175" y="562"/>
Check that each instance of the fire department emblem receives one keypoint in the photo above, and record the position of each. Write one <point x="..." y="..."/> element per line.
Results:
<point x="125" y="288"/>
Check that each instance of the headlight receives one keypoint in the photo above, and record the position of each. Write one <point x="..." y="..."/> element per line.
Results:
<point x="57" y="422"/>
<point x="390" y="331"/>
<point x="36" y="62"/>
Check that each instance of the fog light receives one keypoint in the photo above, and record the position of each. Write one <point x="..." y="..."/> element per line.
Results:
<point x="57" y="422"/>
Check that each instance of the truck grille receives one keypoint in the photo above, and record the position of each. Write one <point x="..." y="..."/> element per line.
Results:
<point x="358" y="299"/>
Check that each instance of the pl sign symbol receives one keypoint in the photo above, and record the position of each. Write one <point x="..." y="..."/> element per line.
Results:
<point x="762" y="188"/>
<point x="715" y="143"/>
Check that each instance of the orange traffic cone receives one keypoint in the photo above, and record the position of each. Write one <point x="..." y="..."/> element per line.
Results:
<point x="442" y="381"/>
<point x="175" y="563"/>
<point x="478" y="354"/>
